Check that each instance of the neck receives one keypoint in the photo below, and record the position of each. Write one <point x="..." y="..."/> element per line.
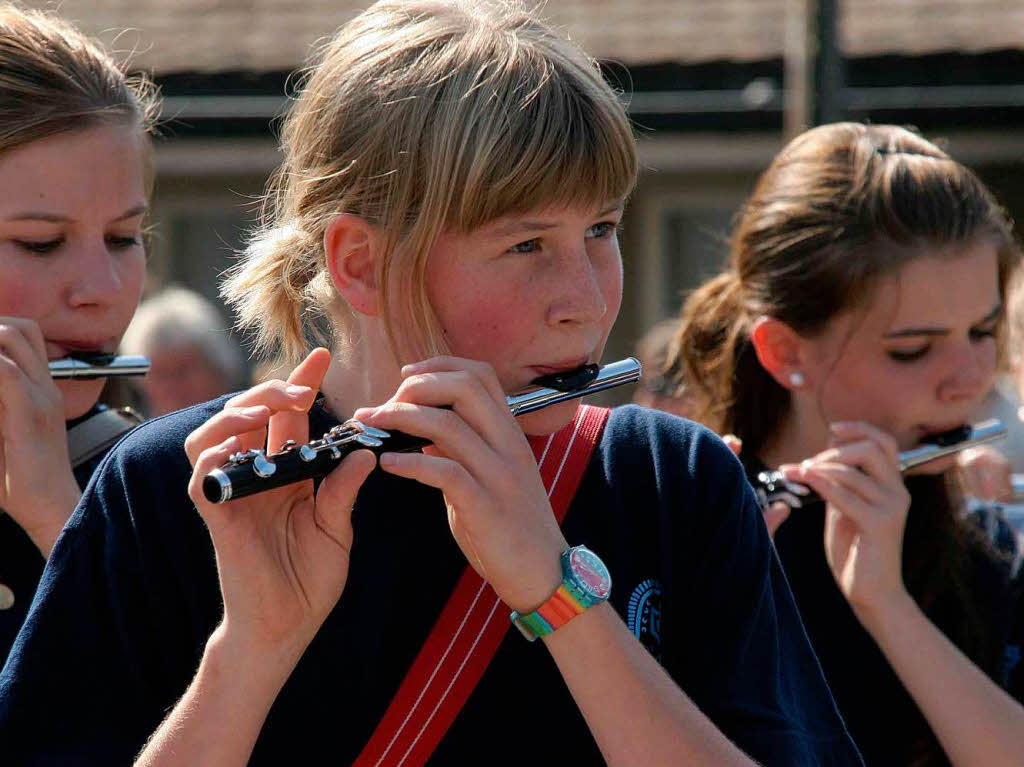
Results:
<point x="802" y="434"/>
<point x="363" y="375"/>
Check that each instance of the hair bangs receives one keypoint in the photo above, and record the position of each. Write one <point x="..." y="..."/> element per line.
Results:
<point x="560" y="144"/>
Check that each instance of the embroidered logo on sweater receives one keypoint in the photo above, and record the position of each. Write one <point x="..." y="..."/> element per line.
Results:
<point x="644" y="615"/>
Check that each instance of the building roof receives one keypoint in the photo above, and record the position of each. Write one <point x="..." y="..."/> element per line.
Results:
<point x="276" y="35"/>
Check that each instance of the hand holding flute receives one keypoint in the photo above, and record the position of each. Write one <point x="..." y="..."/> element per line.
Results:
<point x="477" y="455"/>
<point x="860" y="478"/>
<point x="775" y="486"/>
<point x="37" y="486"/>
<point x="254" y="471"/>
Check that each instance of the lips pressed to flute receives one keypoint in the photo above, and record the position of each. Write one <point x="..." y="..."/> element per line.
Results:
<point x="254" y="471"/>
<point x="99" y="366"/>
<point x="773" y="486"/>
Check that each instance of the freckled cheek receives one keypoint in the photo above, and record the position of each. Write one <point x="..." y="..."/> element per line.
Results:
<point x="484" y="336"/>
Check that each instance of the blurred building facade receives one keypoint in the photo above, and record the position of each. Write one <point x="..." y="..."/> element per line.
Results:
<point x="703" y="80"/>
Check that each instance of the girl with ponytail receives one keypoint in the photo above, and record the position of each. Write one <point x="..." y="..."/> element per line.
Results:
<point x="862" y="311"/>
<point x="445" y="220"/>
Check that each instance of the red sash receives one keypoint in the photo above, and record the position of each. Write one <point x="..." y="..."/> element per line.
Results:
<point x="473" y="622"/>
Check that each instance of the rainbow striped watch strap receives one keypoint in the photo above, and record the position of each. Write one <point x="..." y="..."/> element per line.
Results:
<point x="585" y="583"/>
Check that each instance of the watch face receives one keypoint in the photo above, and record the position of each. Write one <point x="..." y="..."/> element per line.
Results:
<point x="590" y="572"/>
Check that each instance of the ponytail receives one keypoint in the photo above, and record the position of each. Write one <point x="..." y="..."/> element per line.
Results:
<point x="713" y="357"/>
<point x="279" y="282"/>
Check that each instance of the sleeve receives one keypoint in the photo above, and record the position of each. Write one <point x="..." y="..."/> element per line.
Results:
<point x="116" y="629"/>
<point x="731" y="634"/>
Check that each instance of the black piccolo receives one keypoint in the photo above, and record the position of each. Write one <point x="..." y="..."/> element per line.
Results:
<point x="99" y="366"/>
<point x="772" y="486"/>
<point x="255" y="471"/>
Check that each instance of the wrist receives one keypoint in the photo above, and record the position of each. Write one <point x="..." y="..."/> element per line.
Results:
<point x="885" y="611"/>
<point x="238" y="654"/>
<point x="585" y="583"/>
<point x="534" y="576"/>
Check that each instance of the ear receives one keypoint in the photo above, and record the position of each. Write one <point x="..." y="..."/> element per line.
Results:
<point x="350" y="243"/>
<point x="780" y="350"/>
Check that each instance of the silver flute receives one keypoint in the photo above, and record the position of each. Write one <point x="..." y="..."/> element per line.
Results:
<point x="255" y="471"/>
<point x="772" y="486"/>
<point x="99" y="366"/>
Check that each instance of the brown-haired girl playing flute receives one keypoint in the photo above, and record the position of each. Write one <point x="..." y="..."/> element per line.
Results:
<point x="74" y="189"/>
<point x="454" y="175"/>
<point x="859" y="315"/>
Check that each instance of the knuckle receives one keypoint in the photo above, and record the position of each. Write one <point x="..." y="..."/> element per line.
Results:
<point x="9" y="372"/>
<point x="484" y="369"/>
<point x="451" y="472"/>
<point x="448" y="420"/>
<point x="413" y="386"/>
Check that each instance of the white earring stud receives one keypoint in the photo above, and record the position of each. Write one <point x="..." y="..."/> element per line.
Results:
<point x="796" y="380"/>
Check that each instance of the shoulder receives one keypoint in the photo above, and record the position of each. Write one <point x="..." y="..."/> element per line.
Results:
<point x="165" y="434"/>
<point x="674" y="468"/>
<point x="669" y="444"/>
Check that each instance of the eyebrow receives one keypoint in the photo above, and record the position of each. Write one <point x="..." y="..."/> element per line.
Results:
<point x="513" y="227"/>
<point x="904" y="332"/>
<point x="56" y="218"/>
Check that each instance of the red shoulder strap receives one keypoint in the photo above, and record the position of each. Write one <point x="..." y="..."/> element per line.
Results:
<point x="473" y="622"/>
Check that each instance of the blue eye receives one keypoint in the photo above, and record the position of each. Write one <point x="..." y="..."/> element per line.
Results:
<point x="602" y="231"/>
<point x="525" y="247"/>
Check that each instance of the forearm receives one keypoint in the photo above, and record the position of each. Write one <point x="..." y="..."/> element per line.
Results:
<point x="635" y="711"/>
<point x="217" y="720"/>
<point x="975" y="721"/>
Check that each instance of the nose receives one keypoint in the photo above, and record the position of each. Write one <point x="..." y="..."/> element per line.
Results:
<point x="579" y="298"/>
<point x="970" y="373"/>
<point x="95" y="278"/>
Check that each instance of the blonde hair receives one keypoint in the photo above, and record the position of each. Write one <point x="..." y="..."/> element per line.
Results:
<point x="54" y="79"/>
<point x="423" y="117"/>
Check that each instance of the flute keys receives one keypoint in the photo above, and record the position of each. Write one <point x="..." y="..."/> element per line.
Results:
<point x="377" y="434"/>
<point x="262" y="465"/>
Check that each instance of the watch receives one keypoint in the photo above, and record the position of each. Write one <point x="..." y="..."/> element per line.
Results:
<point x="585" y="583"/>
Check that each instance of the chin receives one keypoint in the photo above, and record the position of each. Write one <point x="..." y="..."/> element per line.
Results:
<point x="80" y="396"/>
<point x="550" y="419"/>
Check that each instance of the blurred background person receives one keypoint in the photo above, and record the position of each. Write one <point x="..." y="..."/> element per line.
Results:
<point x="859" y="314"/>
<point x="75" y="182"/>
<point x="194" y="357"/>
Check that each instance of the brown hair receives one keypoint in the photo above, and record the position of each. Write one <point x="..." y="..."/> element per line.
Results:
<point x="54" y="79"/>
<point x="810" y="244"/>
<point x="423" y="116"/>
<point x="839" y="208"/>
